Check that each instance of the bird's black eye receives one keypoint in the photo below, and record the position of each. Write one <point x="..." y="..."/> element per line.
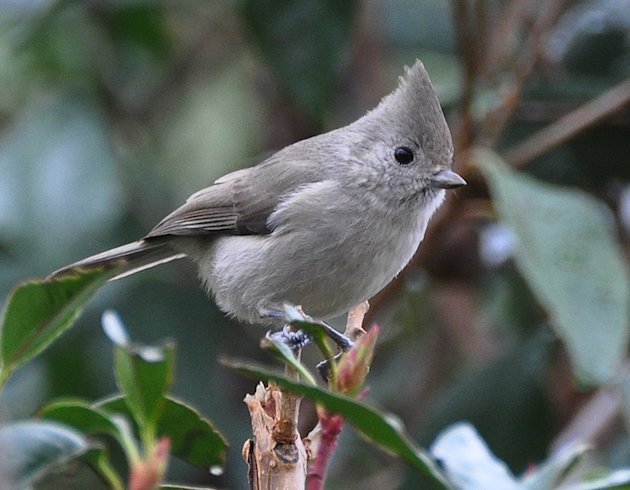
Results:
<point x="403" y="155"/>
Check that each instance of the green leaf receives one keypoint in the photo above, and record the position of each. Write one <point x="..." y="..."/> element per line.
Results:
<point x="283" y="352"/>
<point x="81" y="416"/>
<point x="37" y="312"/>
<point x="567" y="251"/>
<point x="88" y="420"/>
<point x="30" y="449"/>
<point x="98" y="459"/>
<point x="144" y="375"/>
<point x="468" y="461"/>
<point x="303" y="42"/>
<point x="381" y="428"/>
<point x="193" y="437"/>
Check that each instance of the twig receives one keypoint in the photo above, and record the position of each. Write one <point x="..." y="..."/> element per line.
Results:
<point x="592" y="422"/>
<point x="501" y="43"/>
<point x="599" y="420"/>
<point x="465" y="39"/>
<point x="322" y="440"/>
<point x="496" y="121"/>
<point x="354" y="324"/>
<point x="602" y="107"/>
<point x="329" y="429"/>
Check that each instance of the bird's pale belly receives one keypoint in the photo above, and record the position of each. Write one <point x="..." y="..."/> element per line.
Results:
<point x="325" y="277"/>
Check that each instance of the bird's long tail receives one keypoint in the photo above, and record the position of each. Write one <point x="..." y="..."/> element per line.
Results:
<point x="131" y="258"/>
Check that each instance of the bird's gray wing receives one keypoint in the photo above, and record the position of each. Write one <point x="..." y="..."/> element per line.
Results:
<point x="240" y="203"/>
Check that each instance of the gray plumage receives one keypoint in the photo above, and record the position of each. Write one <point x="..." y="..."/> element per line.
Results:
<point x="324" y="223"/>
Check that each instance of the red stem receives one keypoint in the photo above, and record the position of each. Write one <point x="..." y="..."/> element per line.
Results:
<point x="331" y="425"/>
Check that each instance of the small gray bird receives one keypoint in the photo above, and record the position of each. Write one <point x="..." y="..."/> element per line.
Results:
<point x="324" y="223"/>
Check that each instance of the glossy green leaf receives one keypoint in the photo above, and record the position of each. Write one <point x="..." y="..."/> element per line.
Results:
<point x="303" y="41"/>
<point x="381" y="428"/>
<point x="81" y="416"/>
<point x="91" y="421"/>
<point x="37" y="312"/>
<point x="30" y="449"/>
<point x="144" y="375"/>
<point x="282" y="351"/>
<point x="98" y="459"/>
<point x="567" y="251"/>
<point x="193" y="437"/>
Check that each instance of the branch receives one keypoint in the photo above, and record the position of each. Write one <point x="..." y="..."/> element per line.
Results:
<point x="465" y="40"/>
<point x="276" y="459"/>
<point x="502" y="43"/>
<point x="497" y="120"/>
<point x="568" y="126"/>
<point x="322" y="440"/>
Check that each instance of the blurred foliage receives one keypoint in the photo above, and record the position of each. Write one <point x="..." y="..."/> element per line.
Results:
<point x="112" y="112"/>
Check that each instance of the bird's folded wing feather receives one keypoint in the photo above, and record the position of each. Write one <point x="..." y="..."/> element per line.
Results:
<point x="239" y="203"/>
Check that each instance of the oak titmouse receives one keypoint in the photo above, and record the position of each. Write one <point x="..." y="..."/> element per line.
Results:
<point x="324" y="223"/>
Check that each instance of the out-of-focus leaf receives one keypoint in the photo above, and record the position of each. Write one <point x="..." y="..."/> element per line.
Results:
<point x="468" y="461"/>
<point x="591" y="38"/>
<point x="80" y="474"/>
<point x="81" y="416"/>
<point x="142" y="25"/>
<point x="617" y="480"/>
<point x="30" y="449"/>
<point x="193" y="437"/>
<point x="89" y="420"/>
<point x="567" y="252"/>
<point x="551" y="473"/>
<point x="38" y="312"/>
<point x="303" y="41"/>
<point x="383" y="429"/>
<point x="98" y="459"/>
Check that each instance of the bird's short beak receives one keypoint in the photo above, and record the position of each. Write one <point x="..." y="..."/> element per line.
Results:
<point x="446" y="179"/>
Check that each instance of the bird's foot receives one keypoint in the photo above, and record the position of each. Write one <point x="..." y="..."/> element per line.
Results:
<point x="291" y="314"/>
<point x="296" y="340"/>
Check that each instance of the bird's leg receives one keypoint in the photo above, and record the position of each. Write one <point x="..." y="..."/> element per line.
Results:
<point x="291" y="313"/>
<point x="343" y="342"/>
<point x="354" y="330"/>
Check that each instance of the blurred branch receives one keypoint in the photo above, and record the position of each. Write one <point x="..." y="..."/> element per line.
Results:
<point x="497" y="120"/>
<point x="594" y="420"/>
<point x="466" y="45"/>
<point x="568" y="126"/>
<point x="494" y="123"/>
<point x="500" y="45"/>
